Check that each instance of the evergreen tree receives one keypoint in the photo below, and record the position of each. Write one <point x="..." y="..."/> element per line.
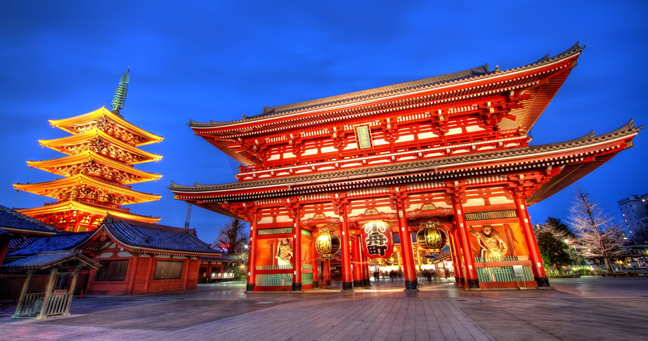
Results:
<point x="560" y="229"/>
<point x="553" y="250"/>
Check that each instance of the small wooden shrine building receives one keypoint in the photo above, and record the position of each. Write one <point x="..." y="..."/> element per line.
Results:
<point x="375" y="167"/>
<point x="132" y="257"/>
<point x="139" y="258"/>
<point x="63" y="269"/>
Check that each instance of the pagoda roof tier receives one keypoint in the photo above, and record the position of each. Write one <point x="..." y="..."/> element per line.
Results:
<point x="102" y="143"/>
<point x="575" y="158"/>
<point x="82" y="123"/>
<point x="75" y="206"/>
<point x="539" y="80"/>
<point x="90" y="163"/>
<point x="53" y="188"/>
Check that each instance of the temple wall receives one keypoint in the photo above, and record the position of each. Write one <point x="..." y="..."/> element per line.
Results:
<point x="143" y="281"/>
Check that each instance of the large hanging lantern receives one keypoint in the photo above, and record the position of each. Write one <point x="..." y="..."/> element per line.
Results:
<point x="327" y="244"/>
<point x="377" y="239"/>
<point x="431" y="237"/>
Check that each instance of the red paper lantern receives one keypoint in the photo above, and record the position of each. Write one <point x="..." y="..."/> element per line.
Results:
<point x="377" y="239"/>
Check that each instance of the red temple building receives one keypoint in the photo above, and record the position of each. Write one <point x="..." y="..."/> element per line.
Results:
<point x="392" y="174"/>
<point x="98" y="170"/>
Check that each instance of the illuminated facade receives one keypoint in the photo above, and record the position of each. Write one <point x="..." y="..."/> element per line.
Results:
<point x="376" y="167"/>
<point x="97" y="172"/>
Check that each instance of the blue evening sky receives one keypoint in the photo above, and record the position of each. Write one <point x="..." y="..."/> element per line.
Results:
<point x="218" y="60"/>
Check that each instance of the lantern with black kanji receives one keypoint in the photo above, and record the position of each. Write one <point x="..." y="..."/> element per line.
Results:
<point x="327" y="244"/>
<point x="378" y="241"/>
<point x="431" y="237"/>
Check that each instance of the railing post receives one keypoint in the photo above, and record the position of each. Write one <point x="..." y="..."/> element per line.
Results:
<point x="48" y="294"/>
<point x="68" y="303"/>
<point x="23" y="293"/>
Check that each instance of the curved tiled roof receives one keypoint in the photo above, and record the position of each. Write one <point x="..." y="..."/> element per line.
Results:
<point x="54" y="243"/>
<point x="405" y="167"/>
<point x="49" y="259"/>
<point x="480" y="72"/>
<point x="155" y="237"/>
<point x="19" y="243"/>
<point x="10" y="220"/>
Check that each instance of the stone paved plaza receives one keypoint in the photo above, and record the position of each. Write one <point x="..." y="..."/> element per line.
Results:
<point x="586" y="308"/>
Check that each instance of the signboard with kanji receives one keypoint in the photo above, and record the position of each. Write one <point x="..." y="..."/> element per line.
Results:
<point x="363" y="137"/>
<point x="377" y="241"/>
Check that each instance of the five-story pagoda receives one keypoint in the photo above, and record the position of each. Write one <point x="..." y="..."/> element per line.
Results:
<point x="98" y="170"/>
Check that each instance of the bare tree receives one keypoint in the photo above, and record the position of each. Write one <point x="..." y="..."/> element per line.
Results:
<point x="598" y="236"/>
<point x="233" y="236"/>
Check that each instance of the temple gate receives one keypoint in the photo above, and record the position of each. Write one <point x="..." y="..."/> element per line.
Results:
<point x="375" y="167"/>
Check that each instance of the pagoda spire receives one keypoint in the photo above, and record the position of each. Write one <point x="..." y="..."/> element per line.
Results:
<point x="120" y="94"/>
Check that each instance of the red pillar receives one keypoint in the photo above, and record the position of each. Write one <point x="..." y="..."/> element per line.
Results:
<point x="133" y="271"/>
<point x="3" y="249"/>
<point x="315" y="265"/>
<point x="149" y="273"/>
<point x="326" y="274"/>
<point x="297" y="261"/>
<point x="346" y="257"/>
<point x="357" y="263"/>
<point x="409" y="268"/>
<point x="532" y="244"/>
<point x="456" y="258"/>
<point x="185" y="274"/>
<point x="366" y="274"/>
<point x="469" y="260"/>
<point x="252" y="254"/>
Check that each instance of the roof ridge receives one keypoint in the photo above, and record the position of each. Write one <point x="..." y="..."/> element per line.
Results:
<point x="477" y="72"/>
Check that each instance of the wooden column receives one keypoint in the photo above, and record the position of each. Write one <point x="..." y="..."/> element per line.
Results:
<point x="326" y="274"/>
<point x="133" y="272"/>
<point x="185" y="274"/>
<point x="48" y="293"/>
<point x="3" y="250"/>
<point x="357" y="263"/>
<point x="297" y="261"/>
<point x="346" y="254"/>
<point x="315" y="264"/>
<point x="68" y="304"/>
<point x="409" y="268"/>
<point x="532" y="244"/>
<point x="366" y="274"/>
<point x="456" y="257"/>
<point x="407" y="254"/>
<point x="149" y="273"/>
<point x="251" y="275"/>
<point x="23" y="293"/>
<point x="471" y="280"/>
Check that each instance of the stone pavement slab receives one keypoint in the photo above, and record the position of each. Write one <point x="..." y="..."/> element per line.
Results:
<point x="578" y="309"/>
<point x="342" y="319"/>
